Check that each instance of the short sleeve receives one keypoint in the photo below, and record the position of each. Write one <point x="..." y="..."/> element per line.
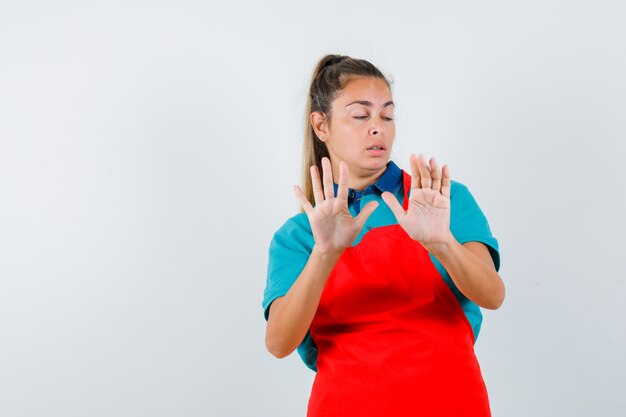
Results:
<point x="289" y="252"/>
<point x="468" y="222"/>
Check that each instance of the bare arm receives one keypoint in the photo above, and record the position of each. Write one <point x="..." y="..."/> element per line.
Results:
<point x="291" y="315"/>
<point x="334" y="229"/>
<point x="427" y="220"/>
<point x="471" y="268"/>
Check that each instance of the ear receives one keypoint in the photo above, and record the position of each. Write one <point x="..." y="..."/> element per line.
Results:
<point x="318" y="122"/>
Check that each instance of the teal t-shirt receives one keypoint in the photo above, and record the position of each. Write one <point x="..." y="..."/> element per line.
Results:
<point x="292" y="244"/>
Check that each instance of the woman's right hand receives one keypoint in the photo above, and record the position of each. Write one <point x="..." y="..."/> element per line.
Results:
<point x="334" y="229"/>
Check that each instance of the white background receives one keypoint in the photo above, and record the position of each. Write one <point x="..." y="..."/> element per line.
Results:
<point x="148" y="152"/>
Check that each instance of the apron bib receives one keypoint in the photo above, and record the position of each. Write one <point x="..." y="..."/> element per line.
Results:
<point x="392" y="338"/>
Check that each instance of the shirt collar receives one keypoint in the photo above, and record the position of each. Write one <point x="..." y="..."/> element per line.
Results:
<point x="390" y="180"/>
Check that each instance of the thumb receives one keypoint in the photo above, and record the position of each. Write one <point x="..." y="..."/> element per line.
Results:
<point x="366" y="211"/>
<point x="394" y="205"/>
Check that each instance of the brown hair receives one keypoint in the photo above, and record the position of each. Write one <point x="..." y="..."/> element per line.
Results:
<point x="331" y="75"/>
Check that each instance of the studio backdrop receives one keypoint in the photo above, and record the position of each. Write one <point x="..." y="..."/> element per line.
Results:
<point x="148" y="152"/>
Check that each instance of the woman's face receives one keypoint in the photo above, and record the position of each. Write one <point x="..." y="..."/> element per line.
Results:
<point x="362" y="127"/>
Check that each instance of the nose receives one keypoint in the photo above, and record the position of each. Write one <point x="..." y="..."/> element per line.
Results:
<point x="376" y="128"/>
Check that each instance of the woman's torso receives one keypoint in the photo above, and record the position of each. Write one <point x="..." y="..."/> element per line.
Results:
<point x="392" y="338"/>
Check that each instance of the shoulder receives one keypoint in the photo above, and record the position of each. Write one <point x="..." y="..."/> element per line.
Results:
<point x="460" y="195"/>
<point x="462" y="202"/>
<point x="297" y="226"/>
<point x="457" y="189"/>
<point x="293" y="235"/>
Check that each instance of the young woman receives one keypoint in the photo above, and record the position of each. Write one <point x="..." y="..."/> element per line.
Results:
<point x="378" y="283"/>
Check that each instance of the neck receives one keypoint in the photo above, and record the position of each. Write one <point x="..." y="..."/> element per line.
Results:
<point x="360" y="180"/>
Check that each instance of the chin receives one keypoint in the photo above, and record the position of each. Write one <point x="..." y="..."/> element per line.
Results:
<point x="376" y="165"/>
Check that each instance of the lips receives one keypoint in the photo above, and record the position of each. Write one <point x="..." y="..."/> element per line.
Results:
<point x="377" y="151"/>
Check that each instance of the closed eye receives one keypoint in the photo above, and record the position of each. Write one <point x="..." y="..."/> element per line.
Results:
<point x="365" y="117"/>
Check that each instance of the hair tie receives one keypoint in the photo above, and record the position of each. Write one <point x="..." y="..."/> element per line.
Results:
<point x="335" y="60"/>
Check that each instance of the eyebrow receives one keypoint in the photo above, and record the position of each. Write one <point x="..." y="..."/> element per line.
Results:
<point x="369" y="103"/>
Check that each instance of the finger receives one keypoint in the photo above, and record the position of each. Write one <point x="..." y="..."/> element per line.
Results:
<point x="329" y="189"/>
<point x="435" y="174"/>
<point x="415" y="173"/>
<point x="304" y="202"/>
<point x="342" y="190"/>
<point x="366" y="211"/>
<point x="424" y="172"/>
<point x="394" y="205"/>
<point x="445" y="182"/>
<point x="317" y="185"/>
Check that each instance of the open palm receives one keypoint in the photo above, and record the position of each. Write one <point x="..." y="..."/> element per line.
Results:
<point x="332" y="224"/>
<point x="427" y="218"/>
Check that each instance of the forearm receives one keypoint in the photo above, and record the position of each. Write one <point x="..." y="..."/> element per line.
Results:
<point x="476" y="279"/>
<point x="290" y="319"/>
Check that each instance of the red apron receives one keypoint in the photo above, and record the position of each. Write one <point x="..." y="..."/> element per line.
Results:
<point x="392" y="338"/>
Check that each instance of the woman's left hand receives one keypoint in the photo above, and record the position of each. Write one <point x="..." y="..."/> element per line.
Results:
<point x="427" y="219"/>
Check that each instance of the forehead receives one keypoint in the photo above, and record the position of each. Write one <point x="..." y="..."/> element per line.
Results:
<point x="364" y="88"/>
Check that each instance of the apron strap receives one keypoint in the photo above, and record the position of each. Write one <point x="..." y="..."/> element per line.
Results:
<point x="407" y="186"/>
